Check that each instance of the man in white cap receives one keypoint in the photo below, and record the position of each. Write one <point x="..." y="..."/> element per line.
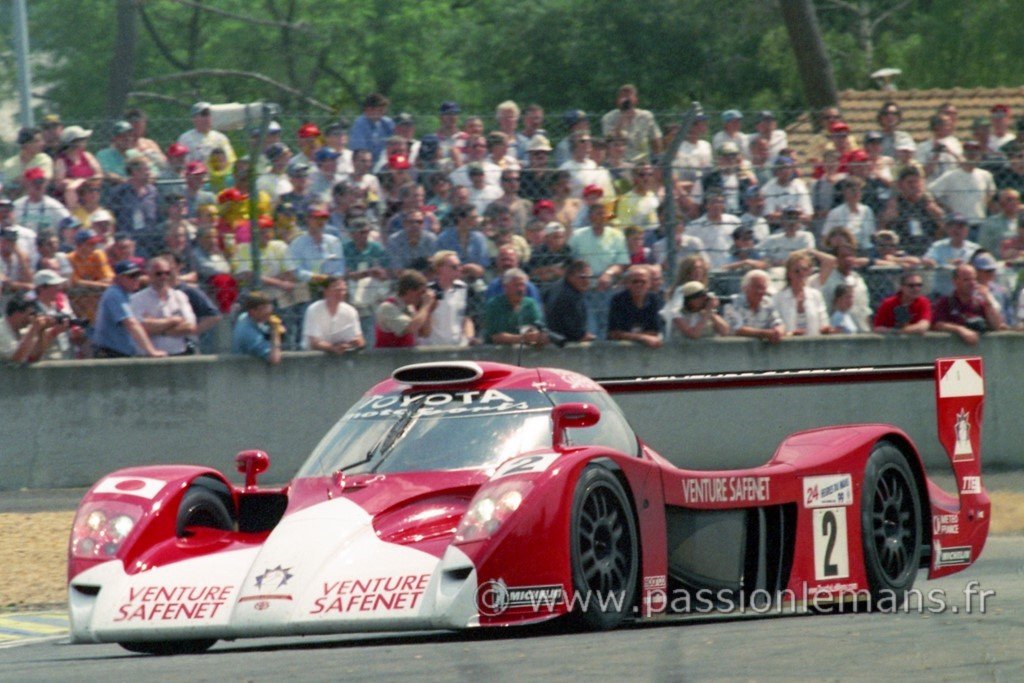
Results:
<point x="52" y="301"/>
<point x="202" y="139"/>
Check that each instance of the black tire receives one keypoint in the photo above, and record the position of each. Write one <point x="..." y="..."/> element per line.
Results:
<point x="202" y="507"/>
<point x="170" y="647"/>
<point x="891" y="526"/>
<point x="604" y="550"/>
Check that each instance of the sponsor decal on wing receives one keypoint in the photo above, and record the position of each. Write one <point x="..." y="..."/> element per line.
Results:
<point x="270" y="580"/>
<point x="525" y="465"/>
<point x="376" y="594"/>
<point x="960" y="379"/>
<point x="726" y="489"/>
<point x="828" y="491"/>
<point x="952" y="556"/>
<point x="945" y="525"/>
<point x="142" y="487"/>
<point x="495" y="597"/>
<point x="971" y="485"/>
<point x="962" y="429"/>
<point x="173" y="603"/>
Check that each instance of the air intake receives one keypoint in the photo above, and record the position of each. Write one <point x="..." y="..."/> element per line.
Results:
<point x="438" y="373"/>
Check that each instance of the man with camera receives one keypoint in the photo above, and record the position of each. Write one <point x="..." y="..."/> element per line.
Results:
<point x="967" y="312"/>
<point x="25" y="334"/>
<point x="449" y="323"/>
<point x="638" y="125"/>
<point x="52" y="302"/>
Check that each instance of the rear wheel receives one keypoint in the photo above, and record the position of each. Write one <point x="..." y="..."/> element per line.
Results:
<point x="604" y="550"/>
<point x="171" y="647"/>
<point x="202" y="507"/>
<point x="891" y="526"/>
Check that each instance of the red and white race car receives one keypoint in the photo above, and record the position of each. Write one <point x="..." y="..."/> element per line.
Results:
<point x="463" y="494"/>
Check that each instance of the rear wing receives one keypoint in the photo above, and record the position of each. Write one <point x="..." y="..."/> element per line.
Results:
<point x="959" y="397"/>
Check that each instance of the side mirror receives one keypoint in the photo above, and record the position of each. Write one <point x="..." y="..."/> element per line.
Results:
<point x="572" y="416"/>
<point x="252" y="464"/>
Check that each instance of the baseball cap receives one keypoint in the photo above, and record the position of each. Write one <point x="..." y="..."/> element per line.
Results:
<point x="539" y="143"/>
<point x="399" y="162"/>
<point x="573" y="116"/>
<point x="955" y="217"/>
<point x="326" y="154"/>
<point x="359" y="224"/>
<point x="450" y="107"/>
<point x="553" y="227"/>
<point x="121" y="127"/>
<point x="275" y="150"/>
<point x="195" y="168"/>
<point x="985" y="262"/>
<point x="906" y="145"/>
<point x="731" y="115"/>
<point x="542" y="204"/>
<point x="999" y="111"/>
<point x="51" y="120"/>
<point x="336" y="127"/>
<point x="742" y="232"/>
<point x="73" y="133"/>
<point x="781" y="161"/>
<point x="34" y="173"/>
<point x="69" y="223"/>
<point x="101" y="215"/>
<point x="47" y="277"/>
<point x="838" y="127"/>
<point x="693" y="289"/>
<point x="86" y="235"/>
<point x="873" y="136"/>
<point x="126" y="267"/>
<point x="858" y="156"/>
<point x="593" y="190"/>
<point x="273" y="127"/>
<point x="318" y="210"/>
<point x="199" y="108"/>
<point x="177" y="150"/>
<point x="298" y="169"/>
<point x="309" y="130"/>
<point x="405" y="119"/>
<point x="728" y="148"/>
<point x="765" y="115"/>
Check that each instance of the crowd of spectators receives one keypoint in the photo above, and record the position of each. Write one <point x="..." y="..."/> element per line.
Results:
<point x="490" y="232"/>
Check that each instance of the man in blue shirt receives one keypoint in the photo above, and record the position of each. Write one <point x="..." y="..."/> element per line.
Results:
<point x="258" y="331"/>
<point x="372" y="129"/>
<point x="118" y="333"/>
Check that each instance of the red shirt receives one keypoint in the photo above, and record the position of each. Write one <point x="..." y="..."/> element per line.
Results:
<point x="886" y="316"/>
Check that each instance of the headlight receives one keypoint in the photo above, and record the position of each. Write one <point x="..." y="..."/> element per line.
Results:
<point x="490" y="508"/>
<point x="101" y="526"/>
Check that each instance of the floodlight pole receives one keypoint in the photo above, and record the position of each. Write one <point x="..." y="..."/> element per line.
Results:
<point x="668" y="178"/>
<point x="20" y="16"/>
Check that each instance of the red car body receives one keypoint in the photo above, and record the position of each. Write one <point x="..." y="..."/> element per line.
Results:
<point x="576" y="515"/>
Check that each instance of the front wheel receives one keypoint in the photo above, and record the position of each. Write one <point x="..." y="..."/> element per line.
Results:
<point x="891" y="526"/>
<point x="604" y="551"/>
<point x="170" y="647"/>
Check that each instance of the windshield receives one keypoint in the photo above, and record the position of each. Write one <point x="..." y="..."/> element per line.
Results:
<point x="433" y="431"/>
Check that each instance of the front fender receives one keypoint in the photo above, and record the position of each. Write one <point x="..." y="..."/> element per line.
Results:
<point x="147" y="495"/>
<point x="531" y="549"/>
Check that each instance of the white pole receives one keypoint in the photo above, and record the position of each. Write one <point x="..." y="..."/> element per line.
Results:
<point x="21" y="51"/>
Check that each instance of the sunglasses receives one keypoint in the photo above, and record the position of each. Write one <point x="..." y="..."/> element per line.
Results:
<point x="161" y="273"/>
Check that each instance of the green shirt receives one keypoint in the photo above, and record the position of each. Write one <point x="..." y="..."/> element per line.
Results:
<point x="499" y="316"/>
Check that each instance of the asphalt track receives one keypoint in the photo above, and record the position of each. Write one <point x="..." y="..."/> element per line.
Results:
<point x="949" y="645"/>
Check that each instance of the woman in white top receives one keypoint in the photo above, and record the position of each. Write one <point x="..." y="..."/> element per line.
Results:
<point x="802" y="308"/>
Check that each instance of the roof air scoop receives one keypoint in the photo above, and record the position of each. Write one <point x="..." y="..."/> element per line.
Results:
<point x="442" y="372"/>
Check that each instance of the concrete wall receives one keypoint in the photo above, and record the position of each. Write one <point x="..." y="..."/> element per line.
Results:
<point x="67" y="424"/>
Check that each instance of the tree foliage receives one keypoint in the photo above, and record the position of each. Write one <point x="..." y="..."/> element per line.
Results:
<point x="559" y="53"/>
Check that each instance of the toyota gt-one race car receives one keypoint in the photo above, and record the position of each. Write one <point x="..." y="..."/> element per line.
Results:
<point x="463" y="494"/>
